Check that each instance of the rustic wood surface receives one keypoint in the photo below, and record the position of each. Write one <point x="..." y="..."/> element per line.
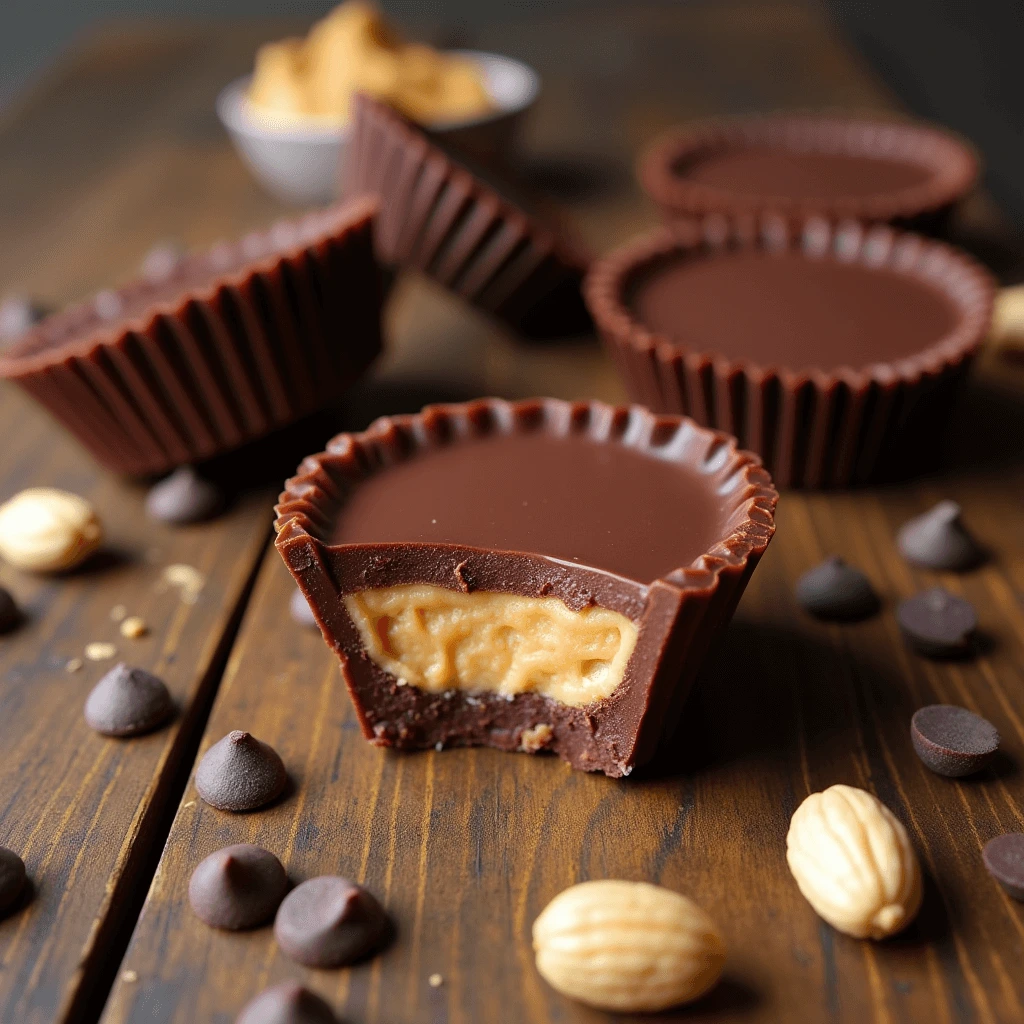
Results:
<point x="120" y="149"/>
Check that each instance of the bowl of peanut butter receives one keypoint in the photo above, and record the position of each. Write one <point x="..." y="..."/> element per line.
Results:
<point x="289" y="119"/>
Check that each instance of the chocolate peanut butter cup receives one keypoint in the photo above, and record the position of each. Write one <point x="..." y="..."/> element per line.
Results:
<point x="802" y="166"/>
<point x="438" y="217"/>
<point x="536" y="575"/>
<point x="228" y="345"/>
<point x="835" y="353"/>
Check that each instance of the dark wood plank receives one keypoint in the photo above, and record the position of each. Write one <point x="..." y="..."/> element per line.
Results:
<point x="466" y="847"/>
<point x="88" y="185"/>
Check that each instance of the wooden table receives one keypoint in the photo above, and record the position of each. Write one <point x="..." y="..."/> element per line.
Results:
<point x="119" y="148"/>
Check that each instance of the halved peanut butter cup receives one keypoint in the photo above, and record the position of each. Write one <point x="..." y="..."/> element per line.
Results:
<point x="530" y="575"/>
<point x="218" y="349"/>
<point x="440" y="218"/>
<point x="800" y="166"/>
<point x="835" y="353"/>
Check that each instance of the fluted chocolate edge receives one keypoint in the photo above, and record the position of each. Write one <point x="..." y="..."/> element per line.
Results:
<point x="953" y="166"/>
<point x="221" y="363"/>
<point x="813" y="428"/>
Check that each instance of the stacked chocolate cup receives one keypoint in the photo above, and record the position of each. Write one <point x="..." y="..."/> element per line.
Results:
<point x="782" y="303"/>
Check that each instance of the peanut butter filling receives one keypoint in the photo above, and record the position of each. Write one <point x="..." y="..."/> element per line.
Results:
<point x="438" y="639"/>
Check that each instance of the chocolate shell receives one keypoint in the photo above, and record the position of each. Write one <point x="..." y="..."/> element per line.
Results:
<point x="438" y="217"/>
<point x="677" y="606"/>
<point x="802" y="166"/>
<point x="232" y="344"/>
<point x="832" y="425"/>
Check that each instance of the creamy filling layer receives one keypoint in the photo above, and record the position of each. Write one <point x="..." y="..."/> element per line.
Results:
<point x="438" y="639"/>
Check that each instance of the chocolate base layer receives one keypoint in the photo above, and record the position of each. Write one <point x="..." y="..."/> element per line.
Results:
<point x="676" y="615"/>
<point x="838" y="424"/>
<point x="227" y="346"/>
<point x="802" y="166"/>
<point x="438" y="217"/>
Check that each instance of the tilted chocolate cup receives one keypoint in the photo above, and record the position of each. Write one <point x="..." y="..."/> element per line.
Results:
<point x="228" y="346"/>
<point x="807" y="165"/>
<point x="676" y="613"/>
<point x="438" y="217"/>
<point x="834" y="426"/>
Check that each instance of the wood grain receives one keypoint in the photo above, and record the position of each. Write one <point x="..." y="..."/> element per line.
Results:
<point x="466" y="847"/>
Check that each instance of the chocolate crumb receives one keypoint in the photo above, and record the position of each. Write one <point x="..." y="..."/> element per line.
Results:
<point x="287" y="1003"/>
<point x="240" y="773"/>
<point x="328" y="922"/>
<point x="237" y="887"/>
<point x="128" y="702"/>
<point x="953" y="741"/>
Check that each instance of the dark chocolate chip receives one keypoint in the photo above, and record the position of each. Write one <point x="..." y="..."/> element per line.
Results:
<point x="161" y="261"/>
<point x="12" y="878"/>
<point x="9" y="614"/>
<point x="18" y="315"/>
<point x="300" y="610"/>
<point x="237" y="887"/>
<point x="953" y="741"/>
<point x="937" y="623"/>
<point x="287" y="1003"/>
<point x="1004" y="859"/>
<point x="184" y="497"/>
<point x="837" y="591"/>
<point x="329" y="921"/>
<point x="128" y="702"/>
<point x="939" y="540"/>
<point x="239" y="773"/>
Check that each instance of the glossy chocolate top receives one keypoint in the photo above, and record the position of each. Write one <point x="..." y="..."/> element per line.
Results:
<point x="800" y="177"/>
<point x="786" y="309"/>
<point x="602" y="505"/>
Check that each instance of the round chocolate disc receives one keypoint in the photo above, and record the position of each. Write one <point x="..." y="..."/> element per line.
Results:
<point x="300" y="610"/>
<point x="1004" y="859"/>
<point x="287" y="1003"/>
<point x="9" y="614"/>
<point x="939" y="540"/>
<point x="836" y="591"/>
<point x="183" y="497"/>
<point x="237" y="887"/>
<point x="953" y="741"/>
<point x="12" y="878"/>
<point x="937" y="623"/>
<point x="128" y="702"/>
<point x="239" y="773"/>
<point x="329" y="921"/>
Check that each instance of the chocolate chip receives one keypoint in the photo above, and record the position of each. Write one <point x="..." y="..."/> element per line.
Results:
<point x="329" y="921"/>
<point x="287" y="1003"/>
<point x="300" y="610"/>
<point x="9" y="614"/>
<point x="953" y="741"/>
<point x="239" y="773"/>
<point x="837" y="591"/>
<point x="183" y="497"/>
<point x="12" y="878"/>
<point x="237" y="887"/>
<point x="937" y="623"/>
<point x="1004" y="859"/>
<point x="18" y="315"/>
<point x="939" y="540"/>
<point x="128" y="702"/>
